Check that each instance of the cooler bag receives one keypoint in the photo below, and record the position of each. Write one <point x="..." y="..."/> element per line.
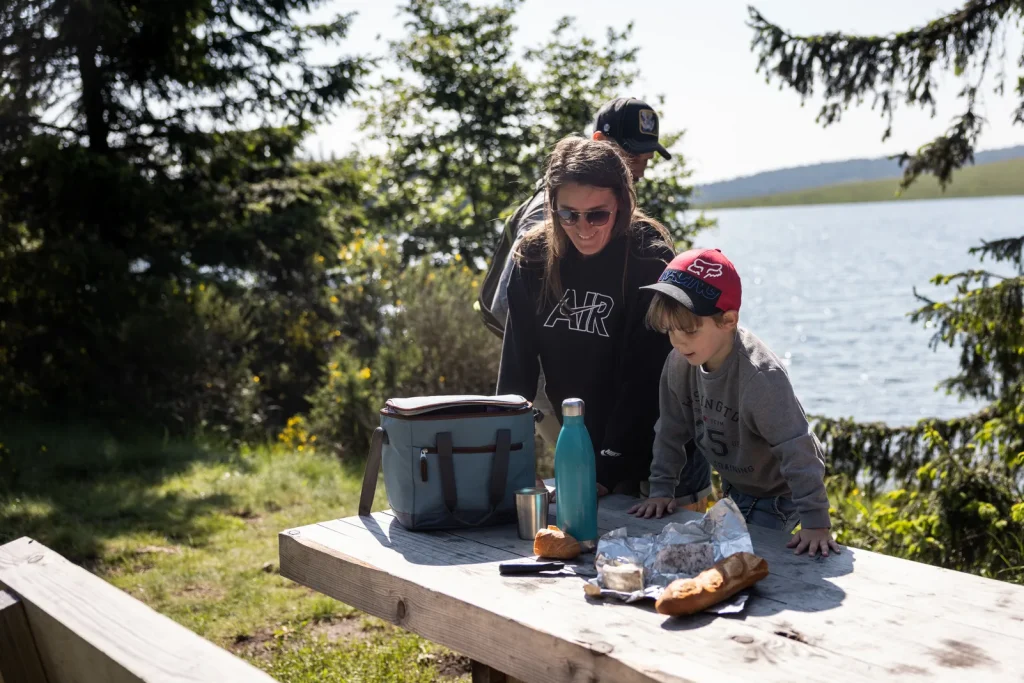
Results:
<point x="452" y="461"/>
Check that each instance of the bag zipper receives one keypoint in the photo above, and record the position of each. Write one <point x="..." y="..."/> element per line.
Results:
<point x="432" y="450"/>
<point x="462" y="416"/>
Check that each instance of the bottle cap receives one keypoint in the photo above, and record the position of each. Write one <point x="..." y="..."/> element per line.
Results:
<point x="572" y="407"/>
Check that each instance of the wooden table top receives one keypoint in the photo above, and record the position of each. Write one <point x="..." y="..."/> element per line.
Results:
<point x="849" y="617"/>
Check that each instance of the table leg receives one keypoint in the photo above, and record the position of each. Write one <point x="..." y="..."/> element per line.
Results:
<point x="485" y="674"/>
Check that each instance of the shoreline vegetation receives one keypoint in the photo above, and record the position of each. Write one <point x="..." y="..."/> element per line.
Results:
<point x="997" y="179"/>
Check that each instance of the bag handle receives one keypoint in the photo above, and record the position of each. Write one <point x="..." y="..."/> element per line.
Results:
<point x="380" y="437"/>
<point x="499" y="474"/>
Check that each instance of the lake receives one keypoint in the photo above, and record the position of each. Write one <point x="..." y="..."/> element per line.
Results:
<point x="828" y="288"/>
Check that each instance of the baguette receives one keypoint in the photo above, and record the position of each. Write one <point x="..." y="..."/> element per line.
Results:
<point x="727" y="578"/>
<point x="556" y="544"/>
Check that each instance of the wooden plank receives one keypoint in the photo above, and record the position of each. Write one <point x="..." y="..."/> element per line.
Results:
<point x="873" y="630"/>
<point x="922" y="591"/>
<point x="19" y="659"/>
<point x="372" y="563"/>
<point x="87" y="630"/>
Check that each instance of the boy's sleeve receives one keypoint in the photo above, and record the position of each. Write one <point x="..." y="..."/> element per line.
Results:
<point x="520" y="364"/>
<point x="772" y="409"/>
<point x="672" y="431"/>
<point x="635" y="409"/>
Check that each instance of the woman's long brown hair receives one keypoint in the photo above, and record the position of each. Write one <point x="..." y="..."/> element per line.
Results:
<point x="583" y="161"/>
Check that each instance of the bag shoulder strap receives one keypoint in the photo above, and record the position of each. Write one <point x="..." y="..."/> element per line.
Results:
<point x="496" y="486"/>
<point x="380" y="437"/>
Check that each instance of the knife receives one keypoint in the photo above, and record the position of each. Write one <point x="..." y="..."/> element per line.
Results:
<point x="507" y="568"/>
<point x="533" y="567"/>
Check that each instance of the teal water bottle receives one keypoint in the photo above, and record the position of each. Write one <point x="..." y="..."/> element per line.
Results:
<point x="576" y="477"/>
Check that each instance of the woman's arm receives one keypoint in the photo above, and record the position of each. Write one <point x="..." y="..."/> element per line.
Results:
<point x="520" y="364"/>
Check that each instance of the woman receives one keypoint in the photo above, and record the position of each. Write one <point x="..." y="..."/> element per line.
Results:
<point x="575" y="309"/>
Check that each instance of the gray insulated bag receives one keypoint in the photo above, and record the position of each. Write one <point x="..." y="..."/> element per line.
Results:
<point x="452" y="461"/>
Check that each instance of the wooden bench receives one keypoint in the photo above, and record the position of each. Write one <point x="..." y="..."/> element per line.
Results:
<point x="857" y="616"/>
<point x="61" y="624"/>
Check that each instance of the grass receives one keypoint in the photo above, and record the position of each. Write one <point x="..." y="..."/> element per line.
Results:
<point x="190" y="528"/>
<point x="995" y="179"/>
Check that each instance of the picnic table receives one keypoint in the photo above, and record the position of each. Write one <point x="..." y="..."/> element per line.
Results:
<point x="856" y="616"/>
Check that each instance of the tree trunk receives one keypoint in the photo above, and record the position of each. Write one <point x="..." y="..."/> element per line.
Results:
<point x="83" y="24"/>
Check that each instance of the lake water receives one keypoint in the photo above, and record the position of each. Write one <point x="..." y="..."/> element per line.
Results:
<point x="828" y="288"/>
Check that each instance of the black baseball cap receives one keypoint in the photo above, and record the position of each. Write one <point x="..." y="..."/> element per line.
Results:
<point x="633" y="124"/>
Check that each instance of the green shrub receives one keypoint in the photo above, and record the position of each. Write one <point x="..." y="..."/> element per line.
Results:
<point x="429" y="341"/>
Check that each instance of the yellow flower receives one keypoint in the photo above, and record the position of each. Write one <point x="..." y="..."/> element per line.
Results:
<point x="301" y="448"/>
<point x="334" y="299"/>
<point x="256" y="378"/>
<point x="441" y="379"/>
<point x="430" y="277"/>
<point x="364" y="373"/>
<point x="458" y="257"/>
<point x="319" y="258"/>
<point x="398" y="302"/>
<point x="202" y="287"/>
<point x="473" y="284"/>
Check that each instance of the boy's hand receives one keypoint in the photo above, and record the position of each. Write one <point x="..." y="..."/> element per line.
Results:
<point x="601" y="491"/>
<point x="653" y="507"/>
<point x="813" y="540"/>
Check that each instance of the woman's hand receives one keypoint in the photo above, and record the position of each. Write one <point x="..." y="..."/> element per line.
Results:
<point x="653" y="507"/>
<point x="813" y="540"/>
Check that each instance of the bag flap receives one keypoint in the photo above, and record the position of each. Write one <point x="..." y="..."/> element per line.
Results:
<point x="418" y="405"/>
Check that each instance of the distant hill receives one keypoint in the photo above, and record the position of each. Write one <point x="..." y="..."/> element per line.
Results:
<point x="821" y="175"/>
<point x="997" y="178"/>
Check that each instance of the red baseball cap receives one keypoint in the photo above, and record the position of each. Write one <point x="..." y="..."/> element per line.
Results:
<point x="703" y="280"/>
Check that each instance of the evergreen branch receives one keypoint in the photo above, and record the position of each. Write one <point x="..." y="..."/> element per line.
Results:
<point x="894" y="68"/>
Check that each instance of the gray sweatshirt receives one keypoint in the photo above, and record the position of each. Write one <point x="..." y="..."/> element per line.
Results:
<point x="747" y="422"/>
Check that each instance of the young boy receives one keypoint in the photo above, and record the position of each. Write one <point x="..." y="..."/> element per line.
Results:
<point x="725" y="389"/>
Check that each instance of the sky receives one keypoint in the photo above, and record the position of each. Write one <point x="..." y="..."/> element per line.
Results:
<point x="697" y="54"/>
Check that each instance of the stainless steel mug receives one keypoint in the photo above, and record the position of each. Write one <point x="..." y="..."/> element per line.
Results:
<point x="531" y="511"/>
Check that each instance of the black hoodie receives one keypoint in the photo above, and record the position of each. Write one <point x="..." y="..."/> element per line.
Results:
<point x="593" y="345"/>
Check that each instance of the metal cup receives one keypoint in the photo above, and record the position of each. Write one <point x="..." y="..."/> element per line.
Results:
<point x="531" y="511"/>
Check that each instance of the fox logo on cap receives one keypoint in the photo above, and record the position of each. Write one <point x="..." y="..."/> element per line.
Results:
<point x="705" y="269"/>
<point x="702" y="280"/>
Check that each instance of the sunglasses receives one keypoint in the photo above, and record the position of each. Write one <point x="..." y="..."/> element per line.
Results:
<point x="594" y="218"/>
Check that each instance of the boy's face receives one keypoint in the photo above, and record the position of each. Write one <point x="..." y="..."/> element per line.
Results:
<point x="709" y="344"/>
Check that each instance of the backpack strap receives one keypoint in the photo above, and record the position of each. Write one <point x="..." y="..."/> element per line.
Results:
<point x="492" y="279"/>
<point x="380" y="437"/>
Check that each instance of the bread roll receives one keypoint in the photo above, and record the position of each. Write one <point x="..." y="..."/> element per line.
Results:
<point x="724" y="580"/>
<point x="555" y="544"/>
